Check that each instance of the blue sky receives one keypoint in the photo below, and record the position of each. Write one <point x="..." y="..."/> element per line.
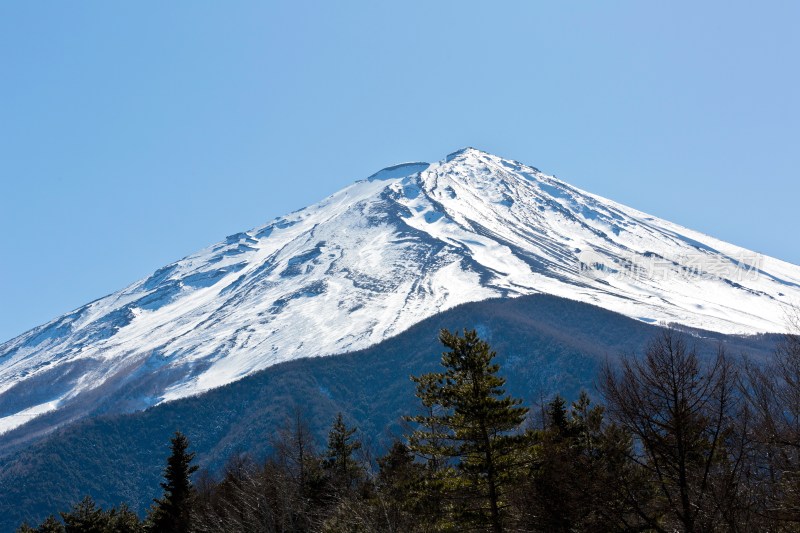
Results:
<point x="132" y="134"/>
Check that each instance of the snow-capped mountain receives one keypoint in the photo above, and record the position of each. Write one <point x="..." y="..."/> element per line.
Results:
<point x="369" y="262"/>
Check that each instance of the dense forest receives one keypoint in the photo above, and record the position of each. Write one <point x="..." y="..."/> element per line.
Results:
<point x="678" y="443"/>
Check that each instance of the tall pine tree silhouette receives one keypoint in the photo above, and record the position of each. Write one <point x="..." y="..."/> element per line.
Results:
<point x="339" y="460"/>
<point x="173" y="511"/>
<point x="470" y="420"/>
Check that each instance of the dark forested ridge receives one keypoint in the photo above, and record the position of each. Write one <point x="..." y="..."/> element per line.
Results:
<point x="545" y="346"/>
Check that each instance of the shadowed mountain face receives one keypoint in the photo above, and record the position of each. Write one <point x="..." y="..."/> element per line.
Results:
<point x="544" y="344"/>
<point x="368" y="263"/>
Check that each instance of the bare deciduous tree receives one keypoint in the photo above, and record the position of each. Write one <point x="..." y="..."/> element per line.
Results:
<point x="682" y="415"/>
<point x="773" y="394"/>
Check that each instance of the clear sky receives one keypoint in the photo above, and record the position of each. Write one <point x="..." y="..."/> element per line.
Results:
<point x="134" y="133"/>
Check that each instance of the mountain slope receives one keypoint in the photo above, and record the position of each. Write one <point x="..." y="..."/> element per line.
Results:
<point x="545" y="345"/>
<point x="369" y="262"/>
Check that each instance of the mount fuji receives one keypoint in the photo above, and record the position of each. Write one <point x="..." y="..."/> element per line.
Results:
<point x="369" y="262"/>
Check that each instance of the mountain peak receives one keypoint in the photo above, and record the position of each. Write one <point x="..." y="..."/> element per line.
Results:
<point x="400" y="170"/>
<point x="369" y="262"/>
<point x="463" y="152"/>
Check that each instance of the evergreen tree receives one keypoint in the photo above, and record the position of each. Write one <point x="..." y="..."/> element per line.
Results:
<point x="343" y="469"/>
<point x="577" y="468"/>
<point x="397" y="485"/>
<point x="123" y="520"/>
<point x="173" y="511"/>
<point x="85" y="517"/>
<point x="557" y="416"/>
<point x="397" y="471"/>
<point x="470" y="420"/>
<point x="50" y="525"/>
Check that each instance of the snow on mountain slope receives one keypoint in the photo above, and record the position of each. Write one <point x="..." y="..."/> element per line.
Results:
<point x="367" y="263"/>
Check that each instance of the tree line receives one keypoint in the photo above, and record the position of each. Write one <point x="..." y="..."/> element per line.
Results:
<point x="680" y="443"/>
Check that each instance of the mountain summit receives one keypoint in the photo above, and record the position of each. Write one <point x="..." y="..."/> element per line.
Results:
<point x="368" y="262"/>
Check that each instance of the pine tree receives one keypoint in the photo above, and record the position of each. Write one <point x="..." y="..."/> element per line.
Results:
<point x="173" y="511"/>
<point x="85" y="517"/>
<point x="50" y="525"/>
<point x="339" y="461"/>
<point x="397" y="471"/>
<point x="123" y="520"/>
<point x="471" y="421"/>
<point x="557" y="416"/>
<point x="578" y="465"/>
<point x="397" y="485"/>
